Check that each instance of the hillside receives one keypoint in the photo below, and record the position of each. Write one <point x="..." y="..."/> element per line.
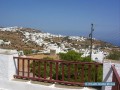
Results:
<point x="27" y="39"/>
<point x="16" y="39"/>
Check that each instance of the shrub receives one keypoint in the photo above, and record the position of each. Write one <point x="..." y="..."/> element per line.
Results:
<point x="86" y="59"/>
<point x="114" y="55"/>
<point x="70" y="56"/>
<point x="26" y="52"/>
<point x="74" y="56"/>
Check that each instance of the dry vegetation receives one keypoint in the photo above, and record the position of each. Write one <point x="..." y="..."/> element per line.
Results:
<point x="40" y="56"/>
<point x="16" y="41"/>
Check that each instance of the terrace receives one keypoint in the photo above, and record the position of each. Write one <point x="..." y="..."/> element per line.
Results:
<point x="59" y="73"/>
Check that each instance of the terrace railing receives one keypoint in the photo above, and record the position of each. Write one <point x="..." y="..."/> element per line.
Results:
<point x="57" y="71"/>
<point x="116" y="79"/>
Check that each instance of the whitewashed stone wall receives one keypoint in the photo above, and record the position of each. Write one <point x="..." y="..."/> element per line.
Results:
<point x="7" y="66"/>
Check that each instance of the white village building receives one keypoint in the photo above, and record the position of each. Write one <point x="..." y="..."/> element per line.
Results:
<point x="97" y="55"/>
<point x="1" y="42"/>
<point x="5" y="43"/>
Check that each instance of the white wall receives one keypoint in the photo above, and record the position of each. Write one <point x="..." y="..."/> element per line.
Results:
<point x="98" y="57"/>
<point x="7" y="65"/>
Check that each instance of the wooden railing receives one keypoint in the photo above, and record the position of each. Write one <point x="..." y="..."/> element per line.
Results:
<point x="116" y="79"/>
<point x="57" y="71"/>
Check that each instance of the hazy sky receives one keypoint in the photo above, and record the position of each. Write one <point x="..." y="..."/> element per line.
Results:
<point x="67" y="17"/>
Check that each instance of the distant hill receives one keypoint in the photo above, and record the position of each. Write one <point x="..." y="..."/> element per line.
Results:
<point x="27" y="38"/>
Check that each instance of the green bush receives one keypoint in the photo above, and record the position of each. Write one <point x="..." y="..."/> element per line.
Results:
<point x="114" y="55"/>
<point x="26" y="52"/>
<point x="86" y="59"/>
<point x="70" y="56"/>
<point x="74" y="56"/>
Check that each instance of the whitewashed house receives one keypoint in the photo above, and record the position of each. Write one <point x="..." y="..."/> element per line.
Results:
<point x="39" y="41"/>
<point x="97" y="55"/>
<point x="1" y="42"/>
<point x="54" y="47"/>
<point x="7" y="43"/>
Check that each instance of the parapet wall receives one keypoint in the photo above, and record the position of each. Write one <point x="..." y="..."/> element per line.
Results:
<point x="7" y="65"/>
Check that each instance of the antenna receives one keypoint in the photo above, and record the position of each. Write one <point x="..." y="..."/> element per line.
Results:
<point x="91" y="40"/>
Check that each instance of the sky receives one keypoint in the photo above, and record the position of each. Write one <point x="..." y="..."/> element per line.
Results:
<point x="65" y="17"/>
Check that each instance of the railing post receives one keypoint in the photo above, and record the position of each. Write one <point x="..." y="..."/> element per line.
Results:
<point x="18" y="67"/>
<point x="96" y="72"/>
<point x="33" y="68"/>
<point x="28" y="68"/>
<point x="23" y="67"/>
<point x="75" y="72"/>
<point x="50" y="70"/>
<point x="116" y="83"/>
<point x="113" y="80"/>
<point x="116" y="79"/>
<point x="38" y="69"/>
<point x="44" y="69"/>
<point x="82" y="73"/>
<point x="62" y="72"/>
<point x="56" y="70"/>
<point x="89" y="73"/>
<point x="68" y="71"/>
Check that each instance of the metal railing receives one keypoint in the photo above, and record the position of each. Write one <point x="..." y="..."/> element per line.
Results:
<point x="116" y="79"/>
<point x="57" y="71"/>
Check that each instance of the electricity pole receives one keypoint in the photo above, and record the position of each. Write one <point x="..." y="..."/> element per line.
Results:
<point x="91" y="40"/>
